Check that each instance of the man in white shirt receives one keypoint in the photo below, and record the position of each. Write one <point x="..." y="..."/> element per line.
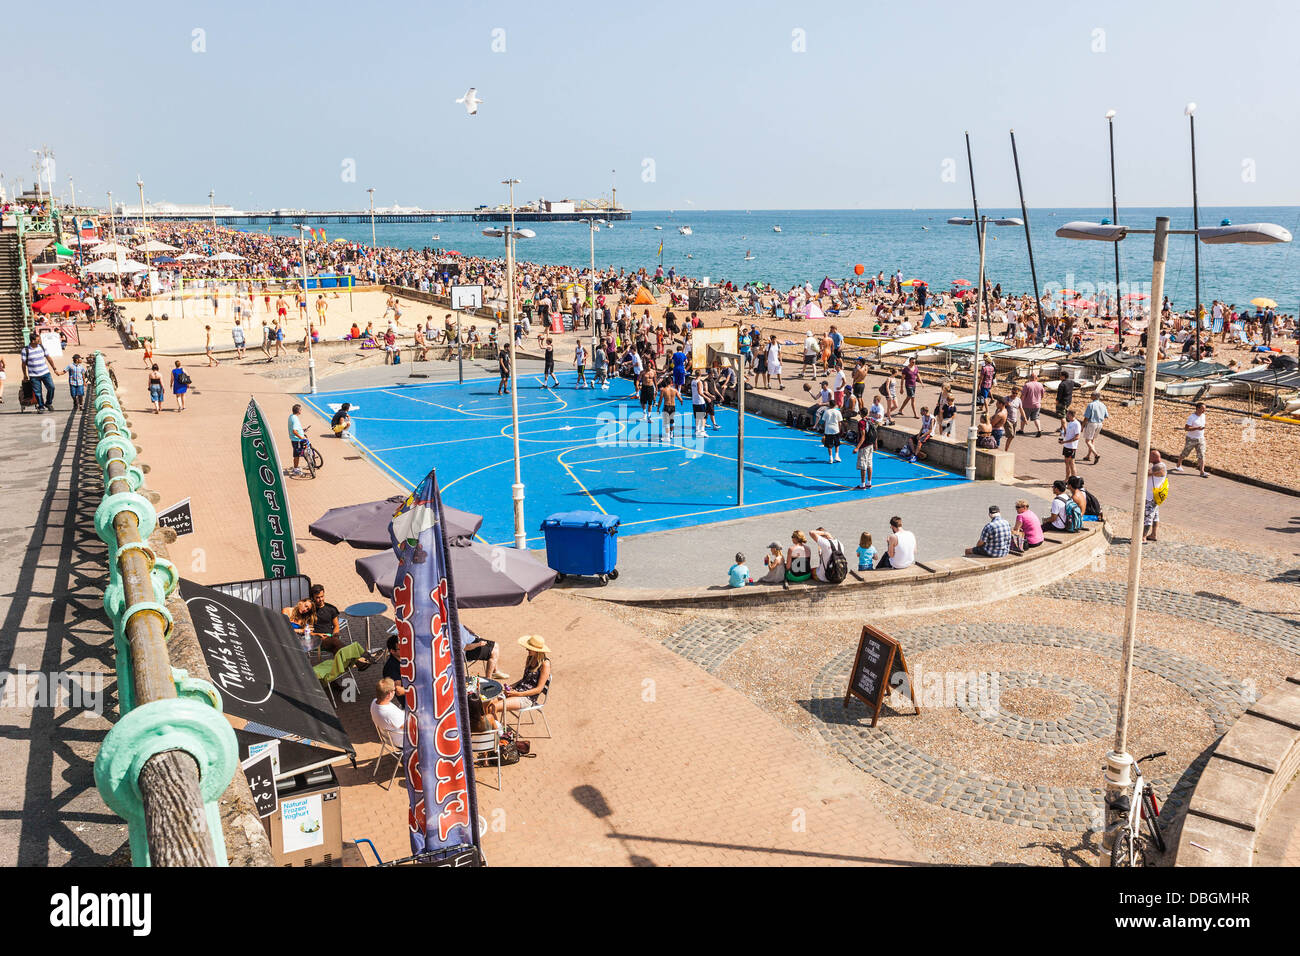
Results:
<point x="831" y="432"/>
<point x="385" y="712"/>
<point x="1094" y="416"/>
<point x="1070" y="431"/>
<point x="1195" y="440"/>
<point x="900" y="547"/>
<point x="1056" y="520"/>
<point x="810" y="349"/>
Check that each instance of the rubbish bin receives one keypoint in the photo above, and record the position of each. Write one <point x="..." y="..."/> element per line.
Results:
<point x="582" y="542"/>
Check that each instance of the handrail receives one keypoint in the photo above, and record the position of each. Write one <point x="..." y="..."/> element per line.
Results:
<point x="171" y="755"/>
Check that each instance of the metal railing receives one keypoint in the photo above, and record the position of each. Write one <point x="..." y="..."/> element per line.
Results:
<point x="171" y="754"/>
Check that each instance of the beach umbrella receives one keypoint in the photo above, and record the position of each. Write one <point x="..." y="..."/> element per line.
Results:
<point x="153" y="245"/>
<point x="813" y="311"/>
<point x="113" y="266"/>
<point x="227" y="257"/>
<point x="485" y="576"/>
<point x="111" y="249"/>
<point x="961" y="282"/>
<point x="1135" y="297"/>
<point x="365" y="526"/>
<point x="60" y="288"/>
<point x="53" y="276"/>
<point x="189" y="257"/>
<point x="1082" y="304"/>
<point x="1065" y="292"/>
<point x="52" y="304"/>
<point x="1263" y="303"/>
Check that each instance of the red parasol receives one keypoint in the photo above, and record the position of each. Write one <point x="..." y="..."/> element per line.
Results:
<point x="962" y="282"/>
<point x="58" y="304"/>
<point x="59" y="288"/>
<point x="1082" y="304"/>
<point x="56" y="275"/>
<point x="1139" y="296"/>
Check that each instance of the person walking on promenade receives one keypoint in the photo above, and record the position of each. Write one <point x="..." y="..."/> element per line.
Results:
<point x="237" y="335"/>
<point x="1157" y="486"/>
<point x="503" y="367"/>
<point x="1070" y="431"/>
<point x="1194" y="441"/>
<point x="207" y="347"/>
<point x="1094" y="415"/>
<point x="155" y="389"/>
<point x="40" y="369"/>
<point x="180" y="385"/>
<point x="911" y="377"/>
<point x="1031" y="397"/>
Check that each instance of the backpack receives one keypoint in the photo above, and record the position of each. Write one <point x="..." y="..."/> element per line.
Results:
<point x="1094" y="506"/>
<point x="837" y="569"/>
<point x="1073" y="516"/>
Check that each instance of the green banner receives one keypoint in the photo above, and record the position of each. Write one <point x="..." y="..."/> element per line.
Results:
<point x="271" y="519"/>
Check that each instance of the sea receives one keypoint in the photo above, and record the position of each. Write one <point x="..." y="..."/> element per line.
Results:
<point x="742" y="246"/>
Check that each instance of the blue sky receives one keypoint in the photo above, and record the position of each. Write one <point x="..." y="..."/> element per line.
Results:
<point x="714" y="95"/>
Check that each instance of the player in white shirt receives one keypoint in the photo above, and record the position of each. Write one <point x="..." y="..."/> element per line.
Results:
<point x="1195" y="439"/>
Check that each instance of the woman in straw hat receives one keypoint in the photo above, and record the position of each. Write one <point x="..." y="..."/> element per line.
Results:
<point x="534" y="683"/>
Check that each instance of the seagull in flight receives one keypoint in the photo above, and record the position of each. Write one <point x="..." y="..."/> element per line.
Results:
<point x="471" y="100"/>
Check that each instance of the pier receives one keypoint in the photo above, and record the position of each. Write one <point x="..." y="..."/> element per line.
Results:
<point x="290" y="216"/>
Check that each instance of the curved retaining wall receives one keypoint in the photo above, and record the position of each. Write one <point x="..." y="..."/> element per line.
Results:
<point x="930" y="586"/>
<point x="1251" y="767"/>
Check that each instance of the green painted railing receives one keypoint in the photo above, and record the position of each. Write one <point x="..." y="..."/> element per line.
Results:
<point x="171" y="754"/>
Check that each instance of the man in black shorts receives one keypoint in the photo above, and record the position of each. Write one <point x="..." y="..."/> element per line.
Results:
<point x="647" y="393"/>
<point x="480" y="650"/>
<point x="860" y="372"/>
<point x="503" y="366"/>
<point x="548" y="369"/>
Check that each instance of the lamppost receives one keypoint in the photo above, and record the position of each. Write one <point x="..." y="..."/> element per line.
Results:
<point x="371" y="190"/>
<point x="973" y="434"/>
<point x="1119" y="763"/>
<point x="311" y="355"/>
<point x="510" y="235"/>
<point x="212" y="205"/>
<point x="148" y="262"/>
<point x="594" y="225"/>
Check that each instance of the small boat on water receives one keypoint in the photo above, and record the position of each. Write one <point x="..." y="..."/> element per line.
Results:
<point x="659" y="228"/>
<point x="435" y="237"/>
<point x="685" y="230"/>
<point x="749" y="255"/>
<point x="776" y="228"/>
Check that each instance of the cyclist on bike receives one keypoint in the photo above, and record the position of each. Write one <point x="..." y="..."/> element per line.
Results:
<point x="298" y="437"/>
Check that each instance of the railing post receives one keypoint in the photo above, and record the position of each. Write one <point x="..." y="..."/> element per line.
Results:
<point x="171" y="755"/>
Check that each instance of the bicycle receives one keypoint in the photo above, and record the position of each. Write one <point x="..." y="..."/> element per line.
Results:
<point x="1128" y="848"/>
<point x="310" y="456"/>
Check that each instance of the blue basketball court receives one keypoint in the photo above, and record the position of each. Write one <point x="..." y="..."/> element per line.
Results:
<point x="592" y="449"/>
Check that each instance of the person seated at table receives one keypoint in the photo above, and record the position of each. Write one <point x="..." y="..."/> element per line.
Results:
<point x="480" y="720"/>
<point x="393" y="671"/>
<point x="341" y="423"/>
<point x="386" y="714"/>
<point x="317" y="616"/>
<point x="483" y="650"/>
<point x="535" y="682"/>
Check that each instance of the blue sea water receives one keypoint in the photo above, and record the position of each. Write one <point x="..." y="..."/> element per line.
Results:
<point x="816" y="243"/>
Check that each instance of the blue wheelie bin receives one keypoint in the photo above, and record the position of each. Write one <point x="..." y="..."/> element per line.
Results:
<point x="582" y="542"/>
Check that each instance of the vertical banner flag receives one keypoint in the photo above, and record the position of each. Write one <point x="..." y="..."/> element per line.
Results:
<point x="271" y="519"/>
<point x="436" y="752"/>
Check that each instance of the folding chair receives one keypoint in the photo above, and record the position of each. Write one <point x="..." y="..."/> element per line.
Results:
<point x="535" y="705"/>
<point x="386" y="746"/>
<point x="331" y="670"/>
<point x="486" y="744"/>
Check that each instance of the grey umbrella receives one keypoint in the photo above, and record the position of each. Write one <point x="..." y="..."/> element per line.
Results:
<point x="485" y="576"/>
<point x="365" y="526"/>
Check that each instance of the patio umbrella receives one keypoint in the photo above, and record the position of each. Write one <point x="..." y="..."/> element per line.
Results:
<point x="961" y="282"/>
<point x="227" y="257"/>
<point x="53" y="304"/>
<point x="111" y="266"/>
<point x="111" y="249"/>
<point x="1135" y="296"/>
<point x="189" y="257"/>
<point x="153" y="245"/>
<point x="60" y="288"/>
<point x="485" y="576"/>
<point x="1263" y="303"/>
<point x="365" y="526"/>
<point x="55" y="275"/>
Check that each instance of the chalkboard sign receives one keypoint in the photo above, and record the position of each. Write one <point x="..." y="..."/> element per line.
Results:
<point x="261" y="780"/>
<point x="878" y="659"/>
<point x="178" y="517"/>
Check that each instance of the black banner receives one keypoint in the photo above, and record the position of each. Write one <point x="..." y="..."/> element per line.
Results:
<point x="178" y="517"/>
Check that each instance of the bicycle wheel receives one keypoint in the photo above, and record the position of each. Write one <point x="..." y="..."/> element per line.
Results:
<point x="1151" y="813"/>
<point x="1121" y="850"/>
<point x="315" y="460"/>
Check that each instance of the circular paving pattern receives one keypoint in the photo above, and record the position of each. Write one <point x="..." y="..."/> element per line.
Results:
<point x="1214" y="559"/>
<point x="1089" y="714"/>
<point x="886" y="755"/>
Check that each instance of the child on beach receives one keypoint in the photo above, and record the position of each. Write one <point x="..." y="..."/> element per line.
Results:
<point x="738" y="573"/>
<point x="866" y="553"/>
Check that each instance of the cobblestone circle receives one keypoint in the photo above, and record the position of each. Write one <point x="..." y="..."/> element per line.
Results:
<point x="884" y="754"/>
<point x="1214" y="559"/>
<point x="1218" y="612"/>
<point x="1091" y="717"/>
<point x="709" y="643"/>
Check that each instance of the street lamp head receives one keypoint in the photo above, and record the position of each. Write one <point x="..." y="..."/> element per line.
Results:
<point x="494" y="233"/>
<point x="1007" y="222"/>
<point x="960" y="221"/>
<point x="1110" y="114"/>
<point x="1189" y="109"/>
<point x="1097" y="231"/>
<point x="525" y="234"/>
<point x="1251" y="234"/>
<point x="509" y="182"/>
